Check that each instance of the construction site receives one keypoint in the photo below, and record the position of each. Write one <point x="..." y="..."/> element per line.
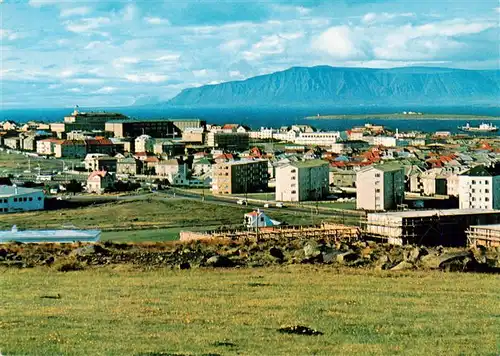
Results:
<point x="427" y="227"/>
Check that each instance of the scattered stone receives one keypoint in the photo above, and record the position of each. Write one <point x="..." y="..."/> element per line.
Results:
<point x="412" y="255"/>
<point x="224" y="343"/>
<point x="57" y="296"/>
<point x="346" y="257"/>
<point x="299" y="330"/>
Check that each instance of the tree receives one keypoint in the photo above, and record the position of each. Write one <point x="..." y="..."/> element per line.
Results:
<point x="73" y="187"/>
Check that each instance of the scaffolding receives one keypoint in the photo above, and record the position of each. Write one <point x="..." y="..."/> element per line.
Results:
<point x="483" y="235"/>
<point x="446" y="228"/>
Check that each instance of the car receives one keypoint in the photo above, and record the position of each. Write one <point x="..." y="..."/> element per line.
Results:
<point x="242" y="202"/>
<point x="59" y="198"/>
<point x="266" y="205"/>
<point x="280" y="205"/>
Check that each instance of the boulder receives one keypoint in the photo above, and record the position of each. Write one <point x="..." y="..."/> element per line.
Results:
<point x="219" y="261"/>
<point x="403" y="265"/>
<point x="412" y="255"/>
<point x="345" y="257"/>
<point x="433" y="260"/>
<point x="311" y="249"/>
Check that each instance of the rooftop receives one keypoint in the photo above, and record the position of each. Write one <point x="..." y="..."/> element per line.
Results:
<point x="8" y="190"/>
<point x="428" y="213"/>
<point x="309" y="163"/>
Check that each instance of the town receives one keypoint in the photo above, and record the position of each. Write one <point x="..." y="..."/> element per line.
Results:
<point x="434" y="188"/>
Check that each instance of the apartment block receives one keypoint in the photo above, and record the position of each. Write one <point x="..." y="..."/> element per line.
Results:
<point x="380" y="187"/>
<point x="302" y="180"/>
<point x="479" y="188"/>
<point x="233" y="141"/>
<point x="236" y="177"/>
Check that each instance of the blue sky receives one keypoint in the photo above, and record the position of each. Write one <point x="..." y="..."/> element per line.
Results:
<point x="58" y="53"/>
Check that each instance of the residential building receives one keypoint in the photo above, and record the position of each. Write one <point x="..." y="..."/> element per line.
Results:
<point x="70" y="149"/>
<point x="144" y="143"/>
<point x="46" y="147"/>
<point x="194" y="135"/>
<point x="340" y="147"/>
<point x="236" y="177"/>
<point x="385" y="141"/>
<point x="479" y="188"/>
<point x="257" y="219"/>
<point x="135" y="128"/>
<point x="317" y="138"/>
<point x="12" y="142"/>
<point x="169" y="148"/>
<point x="100" y="145"/>
<point x="342" y="177"/>
<point x="129" y="166"/>
<point x="302" y="180"/>
<point x="99" y="182"/>
<point x="380" y="187"/>
<point x="233" y="141"/>
<point x="90" y="161"/>
<point x="15" y="199"/>
<point x="185" y="124"/>
<point x="202" y="166"/>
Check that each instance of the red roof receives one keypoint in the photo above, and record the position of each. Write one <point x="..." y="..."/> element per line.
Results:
<point x="99" y="141"/>
<point x="230" y="126"/>
<point x="101" y="174"/>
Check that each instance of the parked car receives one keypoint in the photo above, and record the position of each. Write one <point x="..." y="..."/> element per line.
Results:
<point x="242" y="202"/>
<point x="280" y="205"/>
<point x="266" y="205"/>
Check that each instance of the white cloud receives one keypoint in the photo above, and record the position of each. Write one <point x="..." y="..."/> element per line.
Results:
<point x="156" y="21"/>
<point x="74" y="90"/>
<point x="233" y="45"/>
<point x="97" y="45"/>
<point x="9" y="35"/>
<point x="371" y="17"/>
<point x="67" y="73"/>
<point x="39" y="3"/>
<point x="168" y="58"/>
<point x="54" y="86"/>
<point x="124" y="61"/>
<point x="105" y="90"/>
<point x="235" y="74"/>
<point x="497" y="9"/>
<point x="87" y="81"/>
<point x="340" y="42"/>
<point x="268" y="45"/>
<point x="75" y="11"/>
<point x="87" y="24"/>
<point x="146" y="78"/>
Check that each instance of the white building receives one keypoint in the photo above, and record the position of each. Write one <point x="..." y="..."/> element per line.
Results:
<point x="380" y="187"/>
<point x="257" y="219"/>
<point x="479" y="188"/>
<point x="385" y="141"/>
<point x="144" y="143"/>
<point x="18" y="199"/>
<point x="317" y="138"/>
<point x="303" y="180"/>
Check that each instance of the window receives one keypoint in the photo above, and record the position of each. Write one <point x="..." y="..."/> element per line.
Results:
<point x="486" y="199"/>
<point x="15" y="199"/>
<point x="31" y="199"/>
<point x="486" y="190"/>
<point x="473" y="181"/>
<point x="473" y="199"/>
<point x="293" y="171"/>
<point x="39" y="198"/>
<point x="294" y="191"/>
<point x="377" y="175"/>
<point x="293" y="177"/>
<point x="377" y="190"/>
<point x="486" y="182"/>
<point x="473" y="190"/>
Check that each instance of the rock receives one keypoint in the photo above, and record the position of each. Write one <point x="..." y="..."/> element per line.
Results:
<point x="403" y="265"/>
<point x="345" y="257"/>
<point x="219" y="261"/>
<point x="185" y="265"/>
<point x="328" y="257"/>
<point x="311" y="249"/>
<point x="412" y="255"/>
<point x="433" y="260"/>
<point x="299" y="330"/>
<point x="276" y="253"/>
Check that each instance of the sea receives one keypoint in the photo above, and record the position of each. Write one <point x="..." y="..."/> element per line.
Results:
<point x="257" y="117"/>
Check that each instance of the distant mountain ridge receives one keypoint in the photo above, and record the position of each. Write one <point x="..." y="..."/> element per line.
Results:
<point x="342" y="86"/>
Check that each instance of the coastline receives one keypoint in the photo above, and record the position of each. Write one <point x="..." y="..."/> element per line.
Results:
<point x="399" y="116"/>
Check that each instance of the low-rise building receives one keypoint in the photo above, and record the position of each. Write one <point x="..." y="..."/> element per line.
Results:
<point x="129" y="166"/>
<point x="18" y="199"/>
<point x="302" y="180"/>
<point x="237" y="177"/>
<point x="70" y="149"/>
<point x="325" y="139"/>
<point x="342" y="177"/>
<point x="99" y="182"/>
<point x="144" y="143"/>
<point x="380" y="187"/>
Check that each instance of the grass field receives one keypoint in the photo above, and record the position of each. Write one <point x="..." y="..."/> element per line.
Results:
<point x="18" y="163"/>
<point x="160" y="220"/>
<point x="122" y="311"/>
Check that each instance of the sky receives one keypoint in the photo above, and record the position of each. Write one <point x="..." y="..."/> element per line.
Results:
<point x="61" y="53"/>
